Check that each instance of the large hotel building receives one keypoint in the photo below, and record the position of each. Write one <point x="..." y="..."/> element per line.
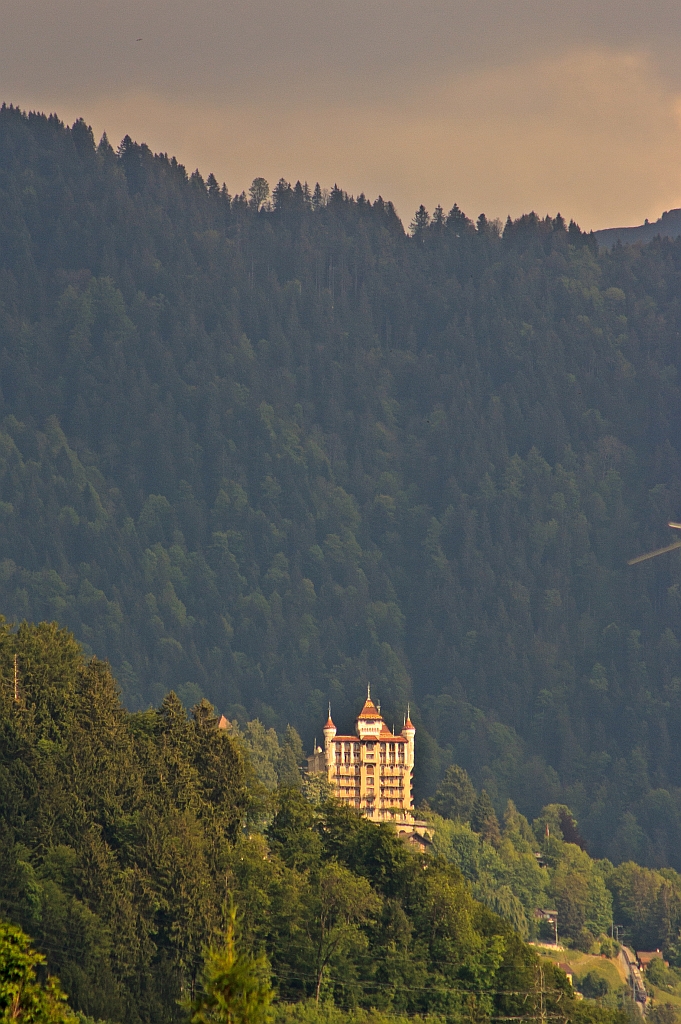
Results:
<point x="372" y="770"/>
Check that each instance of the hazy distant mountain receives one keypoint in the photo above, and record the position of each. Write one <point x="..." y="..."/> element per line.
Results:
<point x="668" y="226"/>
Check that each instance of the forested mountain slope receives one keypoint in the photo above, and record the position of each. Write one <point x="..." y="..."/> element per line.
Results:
<point x="270" y="455"/>
<point x="124" y="845"/>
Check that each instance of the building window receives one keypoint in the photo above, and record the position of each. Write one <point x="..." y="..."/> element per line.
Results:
<point x="370" y="769"/>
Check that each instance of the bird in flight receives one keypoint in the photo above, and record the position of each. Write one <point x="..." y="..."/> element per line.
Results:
<point x="658" y="551"/>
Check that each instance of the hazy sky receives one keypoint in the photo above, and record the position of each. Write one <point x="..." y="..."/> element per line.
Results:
<point x="499" y="105"/>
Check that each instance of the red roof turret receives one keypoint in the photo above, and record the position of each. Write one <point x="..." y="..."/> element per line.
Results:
<point x="408" y="726"/>
<point x="329" y="727"/>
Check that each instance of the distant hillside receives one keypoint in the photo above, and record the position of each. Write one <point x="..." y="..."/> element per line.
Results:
<point x="667" y="226"/>
<point x="270" y="453"/>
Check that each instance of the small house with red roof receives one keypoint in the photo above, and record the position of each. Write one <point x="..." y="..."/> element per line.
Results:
<point x="645" y="958"/>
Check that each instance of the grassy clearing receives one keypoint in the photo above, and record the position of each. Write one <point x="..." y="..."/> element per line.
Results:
<point x="612" y="970"/>
<point x="665" y="997"/>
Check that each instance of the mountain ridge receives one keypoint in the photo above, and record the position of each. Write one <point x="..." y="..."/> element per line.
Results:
<point x="668" y="225"/>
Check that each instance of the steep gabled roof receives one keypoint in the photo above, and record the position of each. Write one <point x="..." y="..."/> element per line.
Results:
<point x="369" y="710"/>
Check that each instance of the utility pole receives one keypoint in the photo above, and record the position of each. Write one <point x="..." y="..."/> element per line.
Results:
<point x="542" y="1008"/>
<point x="16" y="680"/>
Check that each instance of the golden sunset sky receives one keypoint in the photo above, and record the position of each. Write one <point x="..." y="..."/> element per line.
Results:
<point x="502" y="106"/>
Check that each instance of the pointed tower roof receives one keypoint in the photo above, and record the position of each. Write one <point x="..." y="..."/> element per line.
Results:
<point x="329" y="721"/>
<point x="369" y="710"/>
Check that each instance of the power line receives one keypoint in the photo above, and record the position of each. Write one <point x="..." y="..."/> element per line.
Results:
<point x="276" y="970"/>
<point x="282" y="972"/>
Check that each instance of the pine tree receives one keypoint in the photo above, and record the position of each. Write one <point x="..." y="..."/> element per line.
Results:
<point x="484" y="819"/>
<point x="420" y="222"/>
<point x="234" y="988"/>
<point x="455" y="796"/>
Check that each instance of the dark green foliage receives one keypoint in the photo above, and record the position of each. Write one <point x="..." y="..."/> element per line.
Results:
<point x="484" y="819"/>
<point x="455" y="796"/>
<point x="663" y="1013"/>
<point x="234" y="988"/>
<point x="648" y="904"/>
<point x="310" y="1013"/>
<point x="115" y="828"/>
<point x="593" y="985"/>
<point x="265" y="454"/>
<point x="660" y="975"/>
<point x="23" y="997"/>
<point x="291" y="833"/>
<point x="519" y="871"/>
<point x="123" y="853"/>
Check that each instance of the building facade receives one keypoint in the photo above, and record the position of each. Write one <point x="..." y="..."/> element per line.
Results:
<point x="372" y="770"/>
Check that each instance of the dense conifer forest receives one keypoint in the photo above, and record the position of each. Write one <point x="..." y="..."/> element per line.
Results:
<point x="131" y="842"/>
<point x="266" y="449"/>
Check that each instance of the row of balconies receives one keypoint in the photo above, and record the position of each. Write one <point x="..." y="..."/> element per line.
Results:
<point x="389" y="792"/>
<point x="355" y="801"/>
<point x="391" y="748"/>
<point x="397" y="791"/>
<point x="356" y="760"/>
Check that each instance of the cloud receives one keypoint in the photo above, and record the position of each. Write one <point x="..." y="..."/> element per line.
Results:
<point x="230" y="50"/>
<point x="594" y="133"/>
